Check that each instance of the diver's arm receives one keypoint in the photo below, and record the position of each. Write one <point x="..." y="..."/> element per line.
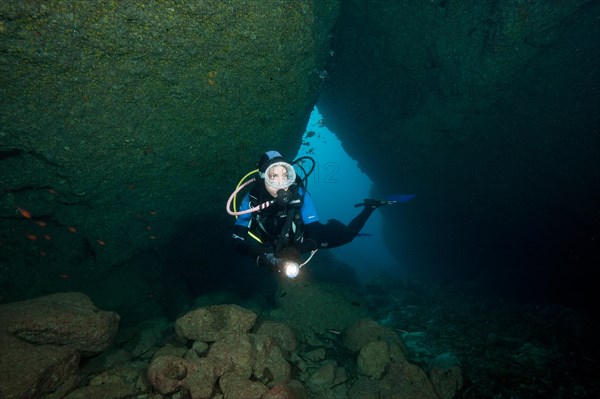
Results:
<point x="239" y="237"/>
<point x="262" y="257"/>
<point x="239" y="240"/>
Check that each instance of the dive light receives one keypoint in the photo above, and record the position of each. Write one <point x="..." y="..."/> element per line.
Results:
<point x="291" y="269"/>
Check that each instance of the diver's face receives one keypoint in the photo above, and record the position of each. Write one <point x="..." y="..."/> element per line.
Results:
<point x="277" y="175"/>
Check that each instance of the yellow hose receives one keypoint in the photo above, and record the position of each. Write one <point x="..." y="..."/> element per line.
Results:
<point x="235" y="200"/>
<point x="238" y="186"/>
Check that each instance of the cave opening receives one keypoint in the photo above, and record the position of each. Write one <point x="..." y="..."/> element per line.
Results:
<point x="336" y="185"/>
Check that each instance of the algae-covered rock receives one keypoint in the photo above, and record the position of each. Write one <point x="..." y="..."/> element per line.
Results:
<point x="215" y="322"/>
<point x="69" y="319"/>
<point x="315" y="307"/>
<point x="28" y="370"/>
<point x="368" y="330"/>
<point x="119" y="118"/>
<point x="374" y="359"/>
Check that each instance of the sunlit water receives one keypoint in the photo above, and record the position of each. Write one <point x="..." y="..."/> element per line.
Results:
<point x="336" y="185"/>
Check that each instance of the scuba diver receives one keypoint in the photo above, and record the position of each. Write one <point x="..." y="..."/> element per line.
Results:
<point x="277" y="220"/>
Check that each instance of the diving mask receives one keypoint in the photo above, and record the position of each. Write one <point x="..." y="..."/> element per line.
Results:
<point x="279" y="175"/>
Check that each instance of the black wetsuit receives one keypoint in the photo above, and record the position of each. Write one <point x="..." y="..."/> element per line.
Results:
<point x="297" y="226"/>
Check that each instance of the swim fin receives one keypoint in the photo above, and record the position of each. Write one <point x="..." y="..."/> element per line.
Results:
<point x="392" y="199"/>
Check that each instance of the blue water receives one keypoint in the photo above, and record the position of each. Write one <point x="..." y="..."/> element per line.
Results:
<point x="336" y="184"/>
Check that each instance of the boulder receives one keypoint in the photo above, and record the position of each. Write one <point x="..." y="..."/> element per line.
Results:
<point x="374" y="359"/>
<point x="446" y="375"/>
<point x="328" y="376"/>
<point x="282" y="333"/>
<point x="169" y="374"/>
<point x="233" y="354"/>
<point x="315" y="355"/>
<point x="130" y="374"/>
<point x="28" y="371"/>
<point x="250" y="355"/>
<point x="173" y="350"/>
<point x="69" y="319"/>
<point x="201" y="348"/>
<point x="367" y="330"/>
<point x="269" y="364"/>
<point x="292" y="390"/>
<point x="236" y="386"/>
<point x="201" y="383"/>
<point x="212" y="323"/>
<point x="166" y="373"/>
<point x="402" y="381"/>
<point x="105" y="391"/>
<point x="244" y="364"/>
<point x="410" y="381"/>
<point x="419" y="346"/>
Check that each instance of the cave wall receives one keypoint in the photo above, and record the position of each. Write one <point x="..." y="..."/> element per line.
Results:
<point x="488" y="111"/>
<point x="124" y="126"/>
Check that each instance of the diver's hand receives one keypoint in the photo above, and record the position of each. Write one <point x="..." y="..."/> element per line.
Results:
<point x="269" y="260"/>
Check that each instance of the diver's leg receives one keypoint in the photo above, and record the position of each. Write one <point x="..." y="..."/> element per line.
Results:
<point x="334" y="233"/>
<point x="356" y="225"/>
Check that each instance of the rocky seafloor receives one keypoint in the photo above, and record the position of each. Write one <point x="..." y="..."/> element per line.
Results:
<point x="400" y="339"/>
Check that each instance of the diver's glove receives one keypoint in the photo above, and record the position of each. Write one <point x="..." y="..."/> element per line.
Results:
<point x="269" y="261"/>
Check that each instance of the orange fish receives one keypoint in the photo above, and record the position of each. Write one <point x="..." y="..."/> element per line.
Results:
<point x="31" y="237"/>
<point x="47" y="237"/>
<point x="40" y="223"/>
<point x="65" y="276"/>
<point x="72" y="229"/>
<point x="101" y="242"/>
<point x="24" y="212"/>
